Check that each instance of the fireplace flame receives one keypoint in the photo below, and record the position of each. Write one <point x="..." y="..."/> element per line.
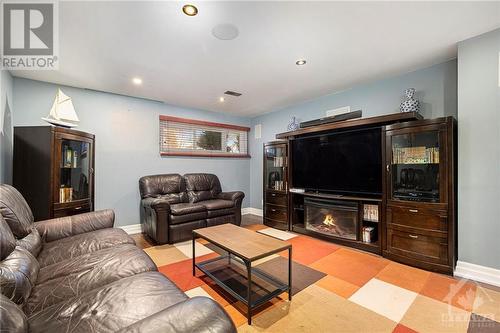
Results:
<point x="329" y="220"/>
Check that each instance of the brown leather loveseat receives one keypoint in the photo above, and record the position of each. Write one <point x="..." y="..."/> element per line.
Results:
<point x="172" y="206"/>
<point x="79" y="274"/>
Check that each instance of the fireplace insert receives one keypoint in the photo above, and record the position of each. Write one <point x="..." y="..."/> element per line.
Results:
<point x="332" y="217"/>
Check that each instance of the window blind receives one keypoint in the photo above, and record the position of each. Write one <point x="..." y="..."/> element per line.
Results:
<point x="189" y="137"/>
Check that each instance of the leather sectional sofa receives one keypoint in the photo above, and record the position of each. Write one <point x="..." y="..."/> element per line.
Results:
<point x="172" y="206"/>
<point x="79" y="274"/>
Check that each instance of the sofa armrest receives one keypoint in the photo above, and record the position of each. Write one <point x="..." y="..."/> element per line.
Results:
<point x="197" y="314"/>
<point x="155" y="219"/>
<point x="67" y="226"/>
<point x="156" y="203"/>
<point x="233" y="196"/>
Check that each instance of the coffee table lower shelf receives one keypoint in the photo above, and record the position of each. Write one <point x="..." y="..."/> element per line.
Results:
<point x="248" y="284"/>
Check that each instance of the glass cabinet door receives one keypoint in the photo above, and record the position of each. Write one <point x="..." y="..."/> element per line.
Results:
<point x="275" y="168"/>
<point x="415" y="166"/>
<point x="75" y="170"/>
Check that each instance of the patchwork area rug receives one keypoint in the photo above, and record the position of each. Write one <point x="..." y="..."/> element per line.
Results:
<point x="338" y="289"/>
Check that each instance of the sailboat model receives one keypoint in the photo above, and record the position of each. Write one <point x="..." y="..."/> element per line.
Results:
<point x="62" y="112"/>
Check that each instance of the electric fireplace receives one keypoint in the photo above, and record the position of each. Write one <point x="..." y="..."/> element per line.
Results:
<point x="332" y="217"/>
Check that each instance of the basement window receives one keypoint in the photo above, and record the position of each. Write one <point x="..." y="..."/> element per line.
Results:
<point x="190" y="137"/>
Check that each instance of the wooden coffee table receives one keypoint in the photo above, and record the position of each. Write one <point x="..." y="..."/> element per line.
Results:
<point x="233" y="271"/>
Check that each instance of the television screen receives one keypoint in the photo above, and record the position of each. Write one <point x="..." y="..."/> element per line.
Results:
<point x="348" y="162"/>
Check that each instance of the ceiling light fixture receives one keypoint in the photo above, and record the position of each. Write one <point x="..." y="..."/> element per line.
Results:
<point x="190" y="10"/>
<point x="300" y="62"/>
<point x="221" y="99"/>
<point x="137" y="81"/>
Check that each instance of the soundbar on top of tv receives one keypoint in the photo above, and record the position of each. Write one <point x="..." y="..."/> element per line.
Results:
<point x="332" y="119"/>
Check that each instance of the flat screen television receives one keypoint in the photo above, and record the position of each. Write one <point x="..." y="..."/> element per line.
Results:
<point x="347" y="162"/>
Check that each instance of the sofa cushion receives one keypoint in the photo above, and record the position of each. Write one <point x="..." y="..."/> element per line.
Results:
<point x="7" y="240"/>
<point x="32" y="242"/>
<point x="111" y="307"/>
<point x="73" y="277"/>
<point x="18" y="273"/>
<point x="13" y="318"/>
<point x="15" y="211"/>
<point x="74" y="246"/>
<point x="171" y="187"/>
<point x="176" y="219"/>
<point x="184" y="231"/>
<point x="221" y="212"/>
<point x="217" y="204"/>
<point x="202" y="186"/>
<point x="186" y="208"/>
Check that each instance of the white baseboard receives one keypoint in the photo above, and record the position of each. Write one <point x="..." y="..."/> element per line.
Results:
<point x="132" y="228"/>
<point x="478" y="273"/>
<point x="251" y="210"/>
<point x="136" y="228"/>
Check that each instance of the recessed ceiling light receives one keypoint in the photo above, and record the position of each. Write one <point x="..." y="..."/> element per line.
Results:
<point x="300" y="62"/>
<point x="137" y="80"/>
<point x="190" y="10"/>
<point x="221" y="99"/>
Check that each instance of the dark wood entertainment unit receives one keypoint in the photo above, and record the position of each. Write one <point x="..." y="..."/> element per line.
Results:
<point x="413" y="221"/>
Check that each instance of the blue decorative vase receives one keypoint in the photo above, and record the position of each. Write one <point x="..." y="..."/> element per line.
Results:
<point x="293" y="124"/>
<point x="410" y="104"/>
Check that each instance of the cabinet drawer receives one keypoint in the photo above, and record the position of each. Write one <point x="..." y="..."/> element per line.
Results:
<point x="406" y="242"/>
<point x="276" y="213"/>
<point x="85" y="208"/>
<point x="417" y="218"/>
<point x="276" y="199"/>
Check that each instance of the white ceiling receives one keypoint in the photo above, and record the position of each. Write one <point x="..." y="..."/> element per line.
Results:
<point x="104" y="44"/>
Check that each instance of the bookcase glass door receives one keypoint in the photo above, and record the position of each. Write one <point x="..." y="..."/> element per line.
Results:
<point x="75" y="170"/>
<point x="415" y="166"/>
<point x="275" y="168"/>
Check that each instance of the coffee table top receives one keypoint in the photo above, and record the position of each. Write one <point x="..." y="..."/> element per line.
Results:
<point x="244" y="243"/>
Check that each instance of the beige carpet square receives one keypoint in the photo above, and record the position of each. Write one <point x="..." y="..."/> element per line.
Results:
<point x="429" y="315"/>
<point x="165" y="254"/>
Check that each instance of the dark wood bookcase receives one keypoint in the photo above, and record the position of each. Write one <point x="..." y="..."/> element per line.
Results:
<point x="416" y="222"/>
<point x="276" y="184"/>
<point x="54" y="170"/>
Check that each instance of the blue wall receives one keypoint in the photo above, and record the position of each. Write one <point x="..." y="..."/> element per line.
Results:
<point x="6" y="107"/>
<point x="127" y="138"/>
<point x="436" y="89"/>
<point x="479" y="150"/>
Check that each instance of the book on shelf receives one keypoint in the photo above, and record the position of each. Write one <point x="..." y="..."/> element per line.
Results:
<point x="415" y="155"/>
<point x="65" y="194"/>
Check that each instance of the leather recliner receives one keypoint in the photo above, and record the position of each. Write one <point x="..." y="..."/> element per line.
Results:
<point x="79" y="274"/>
<point x="172" y="206"/>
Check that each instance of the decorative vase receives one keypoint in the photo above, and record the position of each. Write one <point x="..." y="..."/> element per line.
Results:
<point x="293" y="124"/>
<point x="410" y="104"/>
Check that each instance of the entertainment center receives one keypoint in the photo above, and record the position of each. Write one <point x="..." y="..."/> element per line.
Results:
<point x="383" y="184"/>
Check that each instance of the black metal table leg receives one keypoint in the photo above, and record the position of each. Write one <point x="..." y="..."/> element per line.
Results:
<point x="290" y="274"/>
<point x="249" y="292"/>
<point x="194" y="239"/>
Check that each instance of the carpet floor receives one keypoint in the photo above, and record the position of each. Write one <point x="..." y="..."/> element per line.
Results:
<point x="339" y="289"/>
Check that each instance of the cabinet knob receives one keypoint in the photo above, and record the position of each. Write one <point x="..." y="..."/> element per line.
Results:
<point x="413" y="236"/>
<point x="413" y="210"/>
<point x="273" y="210"/>
<point x="78" y="208"/>
<point x="273" y="195"/>
<point x="388" y="167"/>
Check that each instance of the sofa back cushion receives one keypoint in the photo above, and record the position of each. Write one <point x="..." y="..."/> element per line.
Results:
<point x="202" y="186"/>
<point x="169" y="186"/>
<point x="7" y="240"/>
<point x="15" y="211"/>
<point x="18" y="273"/>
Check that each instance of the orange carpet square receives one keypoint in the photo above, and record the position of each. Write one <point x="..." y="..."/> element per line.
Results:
<point x="337" y="286"/>
<point x="351" y="266"/>
<point x="306" y="250"/>
<point x="459" y="293"/>
<point x="400" y="328"/>
<point x="404" y="276"/>
<point x="181" y="273"/>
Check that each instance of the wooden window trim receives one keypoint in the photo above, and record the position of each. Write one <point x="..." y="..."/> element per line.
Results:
<point x="204" y="123"/>
<point x="194" y="154"/>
